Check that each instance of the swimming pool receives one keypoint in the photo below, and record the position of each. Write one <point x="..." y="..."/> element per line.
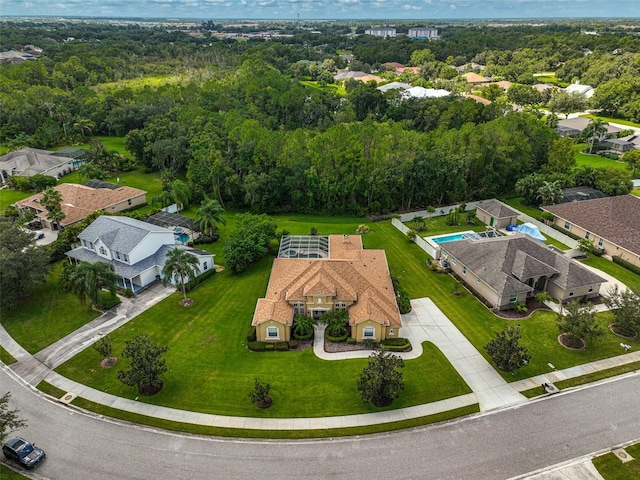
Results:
<point x="450" y="238"/>
<point x="183" y="238"/>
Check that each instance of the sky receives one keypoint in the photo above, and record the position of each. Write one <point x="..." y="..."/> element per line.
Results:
<point x="323" y="9"/>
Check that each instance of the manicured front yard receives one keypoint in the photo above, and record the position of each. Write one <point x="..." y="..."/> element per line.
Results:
<point x="627" y="277"/>
<point x="211" y="371"/>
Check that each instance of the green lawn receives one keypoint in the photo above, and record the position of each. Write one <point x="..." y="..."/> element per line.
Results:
<point x="518" y="204"/>
<point x="7" y="473"/>
<point x="9" y="197"/>
<point x="46" y="316"/>
<point x="437" y="226"/>
<point x="611" y="468"/>
<point x="596" y="161"/>
<point x="625" y="276"/>
<point x="612" y="120"/>
<point x="336" y="88"/>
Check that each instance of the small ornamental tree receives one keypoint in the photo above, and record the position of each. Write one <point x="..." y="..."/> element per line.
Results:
<point x="625" y="306"/>
<point x="578" y="325"/>
<point x="303" y="327"/>
<point x="506" y="350"/>
<point x="147" y="365"/>
<point x="260" y="394"/>
<point x="104" y="346"/>
<point x="9" y="420"/>
<point x="381" y="380"/>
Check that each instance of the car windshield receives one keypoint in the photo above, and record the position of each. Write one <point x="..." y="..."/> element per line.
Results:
<point x="24" y="449"/>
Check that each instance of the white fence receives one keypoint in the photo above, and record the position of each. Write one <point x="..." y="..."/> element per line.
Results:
<point x="421" y="242"/>
<point x="407" y="217"/>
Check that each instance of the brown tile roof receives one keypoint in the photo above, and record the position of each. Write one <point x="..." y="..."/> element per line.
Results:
<point x="616" y="219"/>
<point x="478" y="99"/>
<point x="350" y="274"/>
<point x="78" y="201"/>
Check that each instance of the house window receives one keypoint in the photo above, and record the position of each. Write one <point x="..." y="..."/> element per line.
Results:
<point x="319" y="300"/>
<point x="513" y="298"/>
<point x="567" y="226"/>
<point x="453" y="260"/>
<point x="205" y="266"/>
<point x="91" y="246"/>
<point x="587" y="235"/>
<point x="103" y="251"/>
<point x="478" y="279"/>
<point x="601" y="242"/>
<point x="340" y="306"/>
<point x="464" y="270"/>
<point x="272" y="332"/>
<point x="368" y="332"/>
<point x="118" y="255"/>
<point x="298" y="308"/>
<point x="129" y="201"/>
<point x="571" y="294"/>
<point x="126" y="258"/>
<point x="590" y="289"/>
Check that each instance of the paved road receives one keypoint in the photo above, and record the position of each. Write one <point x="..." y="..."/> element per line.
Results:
<point x="499" y="445"/>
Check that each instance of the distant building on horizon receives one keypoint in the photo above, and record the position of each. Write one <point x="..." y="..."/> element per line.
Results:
<point x="381" y="32"/>
<point x="422" y="33"/>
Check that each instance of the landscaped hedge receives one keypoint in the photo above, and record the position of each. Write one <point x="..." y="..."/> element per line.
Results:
<point x="396" y="344"/>
<point x="623" y="263"/>
<point x="306" y="336"/>
<point x="341" y="338"/>
<point x="566" y="232"/>
<point x="107" y="300"/>
<point x="268" y="346"/>
<point x="251" y="334"/>
<point x="200" y="278"/>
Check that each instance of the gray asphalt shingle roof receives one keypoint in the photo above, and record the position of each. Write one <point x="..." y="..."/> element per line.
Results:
<point x="121" y="234"/>
<point x="504" y="261"/>
<point x="497" y="209"/>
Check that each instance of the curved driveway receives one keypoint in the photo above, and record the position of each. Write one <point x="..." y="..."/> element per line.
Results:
<point x="499" y="445"/>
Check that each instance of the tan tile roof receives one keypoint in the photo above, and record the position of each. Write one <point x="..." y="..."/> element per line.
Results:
<point x="473" y="77"/>
<point x="350" y="274"/>
<point x="616" y="219"/>
<point x="78" y="201"/>
<point x="478" y="99"/>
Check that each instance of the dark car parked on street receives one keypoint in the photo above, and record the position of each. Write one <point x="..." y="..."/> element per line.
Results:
<point x="23" y="452"/>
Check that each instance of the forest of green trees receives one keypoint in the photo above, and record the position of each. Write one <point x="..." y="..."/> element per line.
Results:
<point x="236" y="120"/>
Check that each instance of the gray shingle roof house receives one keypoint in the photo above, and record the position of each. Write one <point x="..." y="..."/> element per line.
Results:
<point x="31" y="161"/>
<point x="496" y="214"/>
<point x="506" y="270"/>
<point x="137" y="250"/>
<point x="611" y="223"/>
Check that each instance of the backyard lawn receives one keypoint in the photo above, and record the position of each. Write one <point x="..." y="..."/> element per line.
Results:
<point x="9" y="197"/>
<point x="596" y="161"/>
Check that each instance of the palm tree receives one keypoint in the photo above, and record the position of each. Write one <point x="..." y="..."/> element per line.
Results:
<point x="178" y="192"/>
<point x="549" y="193"/>
<point x="84" y="124"/>
<point x="55" y="216"/>
<point x="208" y="215"/>
<point x="303" y="326"/>
<point x="182" y="264"/>
<point x="89" y="170"/>
<point x="596" y="130"/>
<point x="89" y="279"/>
<point x="51" y="198"/>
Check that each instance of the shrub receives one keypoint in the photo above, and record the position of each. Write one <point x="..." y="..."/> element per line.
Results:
<point x="107" y="300"/>
<point x="268" y="347"/>
<point x="566" y="232"/>
<point x="337" y="339"/>
<point x="256" y="346"/>
<point x="281" y="346"/>
<point x="520" y="307"/>
<point x="351" y="341"/>
<point x="251" y="334"/>
<point x="623" y="263"/>
<point x="199" y="279"/>
<point x="396" y="344"/>
<point x="362" y="229"/>
<point x="306" y="336"/>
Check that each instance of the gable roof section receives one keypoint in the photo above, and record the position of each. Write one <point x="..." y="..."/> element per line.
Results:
<point x="350" y="274"/>
<point x="617" y="219"/>
<point x="472" y="77"/>
<point x="78" y="201"/>
<point x="504" y="263"/>
<point x="121" y="234"/>
<point x="30" y="161"/>
<point x="497" y="209"/>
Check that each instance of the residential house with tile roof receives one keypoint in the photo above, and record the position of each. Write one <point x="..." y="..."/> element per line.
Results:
<point x="612" y="224"/>
<point x="496" y="214"/>
<point x="78" y="201"/>
<point x="506" y="270"/>
<point x="137" y="250"/>
<point x="332" y="273"/>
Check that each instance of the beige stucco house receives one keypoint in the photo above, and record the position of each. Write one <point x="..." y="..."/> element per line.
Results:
<point x="611" y="224"/>
<point x="505" y="270"/>
<point x="318" y="274"/>
<point x="496" y="214"/>
<point x="78" y="201"/>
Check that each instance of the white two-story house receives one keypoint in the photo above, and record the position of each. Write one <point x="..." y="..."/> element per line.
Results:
<point x="137" y="250"/>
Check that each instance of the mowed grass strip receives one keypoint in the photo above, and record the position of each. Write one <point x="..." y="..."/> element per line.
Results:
<point x="47" y="315"/>
<point x="611" y="468"/>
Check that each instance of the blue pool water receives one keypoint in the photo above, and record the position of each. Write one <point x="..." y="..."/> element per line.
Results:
<point x="449" y="238"/>
<point x="183" y="238"/>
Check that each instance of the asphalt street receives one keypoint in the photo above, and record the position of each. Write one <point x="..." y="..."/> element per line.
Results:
<point x="498" y="445"/>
